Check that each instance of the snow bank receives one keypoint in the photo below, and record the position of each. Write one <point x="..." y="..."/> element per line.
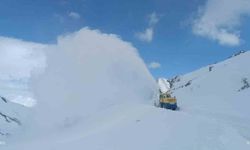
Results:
<point x="88" y="71"/>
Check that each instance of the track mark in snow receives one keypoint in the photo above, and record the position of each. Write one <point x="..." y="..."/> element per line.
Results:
<point x="242" y="125"/>
<point x="108" y="119"/>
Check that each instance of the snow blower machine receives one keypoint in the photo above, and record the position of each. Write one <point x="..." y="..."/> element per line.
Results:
<point x="168" y="102"/>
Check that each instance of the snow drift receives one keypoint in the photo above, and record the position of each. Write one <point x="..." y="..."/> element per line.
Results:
<point x="88" y="71"/>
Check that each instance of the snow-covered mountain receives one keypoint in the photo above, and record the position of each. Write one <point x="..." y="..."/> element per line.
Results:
<point x="11" y="115"/>
<point x="15" y="101"/>
<point x="219" y="91"/>
<point x="214" y="114"/>
<point x="219" y="88"/>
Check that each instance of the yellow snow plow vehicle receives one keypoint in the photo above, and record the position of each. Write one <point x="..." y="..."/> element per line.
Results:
<point x="168" y="102"/>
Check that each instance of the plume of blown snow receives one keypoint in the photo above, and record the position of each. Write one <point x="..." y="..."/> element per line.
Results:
<point x="88" y="71"/>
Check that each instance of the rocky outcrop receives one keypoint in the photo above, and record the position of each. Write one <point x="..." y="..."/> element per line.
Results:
<point x="10" y="117"/>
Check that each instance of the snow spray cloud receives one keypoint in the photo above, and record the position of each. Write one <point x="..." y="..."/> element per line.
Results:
<point x="88" y="71"/>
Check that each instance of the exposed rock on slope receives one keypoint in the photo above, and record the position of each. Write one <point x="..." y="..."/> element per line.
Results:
<point x="11" y="115"/>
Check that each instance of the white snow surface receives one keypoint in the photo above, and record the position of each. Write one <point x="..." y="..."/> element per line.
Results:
<point x="216" y="94"/>
<point x="140" y="127"/>
<point x="9" y="127"/>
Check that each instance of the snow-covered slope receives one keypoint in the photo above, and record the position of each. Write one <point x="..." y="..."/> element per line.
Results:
<point x="14" y="102"/>
<point x="11" y="117"/>
<point x="221" y="87"/>
<point x="219" y="91"/>
<point x="140" y="127"/>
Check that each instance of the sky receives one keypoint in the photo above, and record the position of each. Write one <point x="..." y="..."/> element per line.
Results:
<point x="173" y="37"/>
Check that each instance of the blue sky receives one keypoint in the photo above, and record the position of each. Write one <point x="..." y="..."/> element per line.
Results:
<point x="182" y="35"/>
